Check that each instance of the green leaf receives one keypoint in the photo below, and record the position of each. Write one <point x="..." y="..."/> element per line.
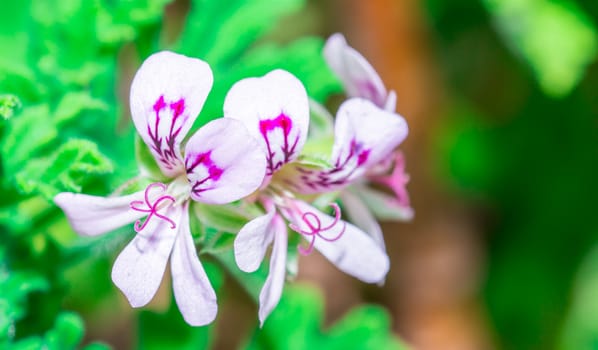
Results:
<point x="67" y="169"/>
<point x="121" y="21"/>
<point x="26" y="135"/>
<point x="73" y="104"/>
<point x="8" y="105"/>
<point x="366" y="327"/>
<point x="580" y="329"/>
<point x="16" y="286"/>
<point x="217" y="22"/>
<point x="67" y="332"/>
<point x="556" y="38"/>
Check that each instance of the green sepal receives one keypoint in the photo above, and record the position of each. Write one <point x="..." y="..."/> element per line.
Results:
<point x="227" y="218"/>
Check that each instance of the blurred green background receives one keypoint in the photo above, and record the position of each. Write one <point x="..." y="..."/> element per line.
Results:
<point x="502" y="101"/>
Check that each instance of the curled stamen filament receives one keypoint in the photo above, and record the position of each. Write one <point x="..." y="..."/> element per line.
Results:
<point x="316" y="229"/>
<point x="152" y="208"/>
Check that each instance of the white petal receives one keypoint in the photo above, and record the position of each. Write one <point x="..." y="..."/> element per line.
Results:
<point x="167" y="94"/>
<point x="391" y="102"/>
<point x="364" y="130"/>
<point x="93" y="215"/>
<point x="272" y="289"/>
<point x="223" y="162"/>
<point x="354" y="252"/>
<point x="252" y="242"/>
<point x="364" y="135"/>
<point x="358" y="76"/>
<point x="275" y="110"/>
<point x="361" y="216"/>
<point x="139" y="268"/>
<point x="192" y="290"/>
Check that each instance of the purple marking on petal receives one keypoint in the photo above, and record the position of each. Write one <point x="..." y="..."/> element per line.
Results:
<point x="340" y="175"/>
<point x="212" y="171"/>
<point x="269" y="126"/>
<point x="177" y="108"/>
<point x="363" y="157"/>
<point x="397" y="180"/>
<point x="368" y="90"/>
<point x="165" y="148"/>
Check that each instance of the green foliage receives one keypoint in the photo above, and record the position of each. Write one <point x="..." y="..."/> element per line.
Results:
<point x="64" y="128"/>
<point x="67" y="169"/>
<point x="366" y="327"/>
<point x="526" y="161"/>
<point x="8" y="105"/>
<point x="580" y="331"/>
<point x="16" y="286"/>
<point x="556" y="38"/>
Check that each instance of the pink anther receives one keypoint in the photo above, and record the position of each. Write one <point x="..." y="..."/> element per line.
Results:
<point x="152" y="208"/>
<point x="315" y="228"/>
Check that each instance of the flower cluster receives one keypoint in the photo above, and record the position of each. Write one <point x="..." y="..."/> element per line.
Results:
<point x="256" y="154"/>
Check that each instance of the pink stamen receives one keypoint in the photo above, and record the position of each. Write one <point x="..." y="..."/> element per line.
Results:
<point x="316" y="229"/>
<point x="152" y="208"/>
<point x="397" y="180"/>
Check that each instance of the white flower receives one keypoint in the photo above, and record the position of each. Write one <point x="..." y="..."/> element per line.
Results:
<point x="221" y="164"/>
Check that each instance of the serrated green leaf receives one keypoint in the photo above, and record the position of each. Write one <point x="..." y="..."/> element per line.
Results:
<point x="67" y="169"/>
<point x="26" y="135"/>
<point x="73" y="104"/>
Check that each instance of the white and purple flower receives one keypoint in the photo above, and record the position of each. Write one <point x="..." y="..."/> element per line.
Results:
<point x="221" y="163"/>
<point x="360" y="79"/>
<point x="275" y="110"/>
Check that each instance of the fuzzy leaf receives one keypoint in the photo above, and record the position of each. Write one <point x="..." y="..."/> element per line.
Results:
<point x="67" y="169"/>
<point x="74" y="103"/>
<point x="217" y="22"/>
<point x="26" y="135"/>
